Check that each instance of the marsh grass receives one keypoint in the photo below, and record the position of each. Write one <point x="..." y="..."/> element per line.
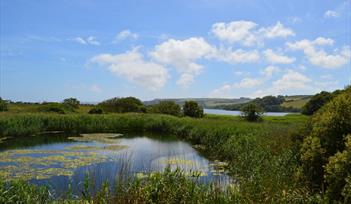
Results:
<point x="259" y="155"/>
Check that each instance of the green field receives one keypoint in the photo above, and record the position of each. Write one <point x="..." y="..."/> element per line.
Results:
<point x="296" y="101"/>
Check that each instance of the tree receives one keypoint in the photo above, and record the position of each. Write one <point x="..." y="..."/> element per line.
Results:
<point x="316" y="102"/>
<point x="251" y="112"/>
<point x="166" y="107"/>
<point x="325" y="157"/>
<point x="3" y="105"/>
<point x="123" y="105"/>
<point x="192" y="109"/>
<point x="71" y="103"/>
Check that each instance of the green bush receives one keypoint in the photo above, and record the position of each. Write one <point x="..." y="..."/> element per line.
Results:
<point x="96" y="110"/>
<point x="52" y="108"/>
<point x="166" y="107"/>
<point x="3" y="105"/>
<point x="71" y="103"/>
<point x="251" y="112"/>
<point x="337" y="171"/>
<point x="324" y="162"/>
<point x="123" y="105"/>
<point x="192" y="109"/>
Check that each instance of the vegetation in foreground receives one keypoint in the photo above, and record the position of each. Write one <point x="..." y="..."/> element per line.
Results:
<point x="270" y="160"/>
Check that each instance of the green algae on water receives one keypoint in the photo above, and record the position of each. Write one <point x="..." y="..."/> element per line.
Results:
<point x="98" y="137"/>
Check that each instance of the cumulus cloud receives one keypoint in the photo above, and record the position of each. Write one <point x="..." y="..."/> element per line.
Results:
<point x="222" y="92"/>
<point x="331" y="14"/>
<point x="226" y="89"/>
<point x="270" y="70"/>
<point x="278" y="30"/>
<point x="236" y="56"/>
<point x="247" y="32"/>
<point x="91" y="40"/>
<point x="318" y="56"/>
<point x="125" y="34"/>
<point x="291" y="80"/>
<point x="276" y="58"/>
<point x="236" y="31"/>
<point x="135" y="69"/>
<point x="182" y="55"/>
<point x="247" y="83"/>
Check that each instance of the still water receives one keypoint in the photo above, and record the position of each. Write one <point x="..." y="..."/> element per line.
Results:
<point x="58" y="160"/>
<point x="227" y="112"/>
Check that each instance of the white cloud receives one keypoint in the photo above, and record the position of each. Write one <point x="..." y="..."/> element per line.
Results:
<point x="278" y="30"/>
<point x="222" y="92"/>
<point x="275" y="58"/>
<point x="91" y="40"/>
<point x="134" y="68"/>
<point x="95" y="88"/>
<point x="247" y="83"/>
<point x="331" y="14"/>
<point x="237" y="56"/>
<point x="247" y="33"/>
<point x="182" y="54"/>
<point x="226" y="89"/>
<point x="80" y="40"/>
<point x="125" y="34"/>
<point x="236" y="31"/>
<point x="318" y="57"/>
<point x="270" y="70"/>
<point x="185" y="79"/>
<point x="291" y="80"/>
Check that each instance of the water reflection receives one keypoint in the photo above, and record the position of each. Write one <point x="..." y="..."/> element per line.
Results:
<point x="57" y="161"/>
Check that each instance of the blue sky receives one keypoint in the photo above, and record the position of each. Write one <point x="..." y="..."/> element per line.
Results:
<point x="94" y="50"/>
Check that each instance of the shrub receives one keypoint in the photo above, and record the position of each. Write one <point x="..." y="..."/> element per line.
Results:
<point x="52" y="107"/>
<point x="3" y="105"/>
<point x="337" y="171"/>
<point x="166" y="107"/>
<point x="326" y="143"/>
<point x="252" y="112"/>
<point x="96" y="110"/>
<point x="123" y="105"/>
<point x="71" y="103"/>
<point x="192" y="109"/>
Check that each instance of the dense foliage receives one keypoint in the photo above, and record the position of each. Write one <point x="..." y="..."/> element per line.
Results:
<point x="53" y="108"/>
<point x="166" y="107"/>
<point x="316" y="102"/>
<point x="96" y="110"/>
<point x="325" y="153"/>
<point x="251" y="112"/>
<point x="268" y="104"/>
<point x="122" y="105"/>
<point x="192" y="109"/>
<point x="3" y="105"/>
<point x="71" y="103"/>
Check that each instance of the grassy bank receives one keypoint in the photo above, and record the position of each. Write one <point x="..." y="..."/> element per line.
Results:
<point x="260" y="155"/>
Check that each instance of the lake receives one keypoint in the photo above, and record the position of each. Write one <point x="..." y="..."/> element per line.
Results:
<point x="58" y="160"/>
<point x="227" y="112"/>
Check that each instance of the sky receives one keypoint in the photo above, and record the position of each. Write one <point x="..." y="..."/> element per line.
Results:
<point x="94" y="50"/>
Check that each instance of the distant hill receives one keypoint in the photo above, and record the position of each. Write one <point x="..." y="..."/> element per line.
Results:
<point x="294" y="102"/>
<point x="274" y="103"/>
<point x="204" y="102"/>
<point x="297" y="101"/>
